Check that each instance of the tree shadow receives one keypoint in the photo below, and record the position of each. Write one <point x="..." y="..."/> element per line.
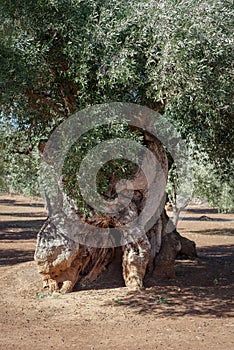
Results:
<point x="36" y="205"/>
<point x="24" y="215"/>
<point x="202" y="211"/>
<point x="219" y="232"/>
<point x="11" y="257"/>
<point x="208" y="219"/>
<point x="18" y="236"/>
<point x="21" y="224"/>
<point x="214" y="263"/>
<point x="219" y="252"/>
<point x="12" y="202"/>
<point x="203" y="287"/>
<point x="167" y="302"/>
<point x="7" y="201"/>
<point x="20" y="230"/>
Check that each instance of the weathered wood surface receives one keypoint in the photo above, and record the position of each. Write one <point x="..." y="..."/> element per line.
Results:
<point x="62" y="261"/>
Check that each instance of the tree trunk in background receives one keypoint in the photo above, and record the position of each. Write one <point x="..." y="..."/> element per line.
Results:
<point x="62" y="262"/>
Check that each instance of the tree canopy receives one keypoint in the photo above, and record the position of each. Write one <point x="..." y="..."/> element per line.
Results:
<point x="174" y="56"/>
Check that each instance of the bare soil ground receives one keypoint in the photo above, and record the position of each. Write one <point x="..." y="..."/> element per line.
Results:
<point x="195" y="311"/>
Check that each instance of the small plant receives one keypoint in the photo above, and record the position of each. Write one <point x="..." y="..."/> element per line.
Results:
<point x="161" y="300"/>
<point x="42" y="295"/>
<point x="216" y="281"/>
<point x="118" y="300"/>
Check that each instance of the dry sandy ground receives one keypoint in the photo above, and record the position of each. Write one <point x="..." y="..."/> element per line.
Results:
<point x="195" y="311"/>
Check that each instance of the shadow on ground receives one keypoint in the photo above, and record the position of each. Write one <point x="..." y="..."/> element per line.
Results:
<point x="20" y="235"/>
<point x="11" y="202"/>
<point x="202" y="210"/>
<point x="203" y="287"/>
<point x="187" y="218"/>
<point x="10" y="257"/>
<point x="24" y="215"/>
<point x="219" y="232"/>
<point x="166" y="302"/>
<point x="21" y="224"/>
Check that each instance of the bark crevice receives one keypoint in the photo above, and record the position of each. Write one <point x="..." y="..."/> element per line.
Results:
<point x="62" y="261"/>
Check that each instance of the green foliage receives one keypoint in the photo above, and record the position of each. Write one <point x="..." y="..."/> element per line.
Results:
<point x="180" y="187"/>
<point x="202" y="181"/>
<point x="211" y="186"/>
<point x="113" y="169"/>
<point x="19" y="167"/>
<point x="60" y="56"/>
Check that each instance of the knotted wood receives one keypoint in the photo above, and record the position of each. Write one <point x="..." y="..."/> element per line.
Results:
<point x="62" y="261"/>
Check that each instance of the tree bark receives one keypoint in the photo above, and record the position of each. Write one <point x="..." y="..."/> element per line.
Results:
<point x="62" y="261"/>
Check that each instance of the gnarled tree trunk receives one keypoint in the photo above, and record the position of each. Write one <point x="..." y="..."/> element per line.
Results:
<point x="63" y="261"/>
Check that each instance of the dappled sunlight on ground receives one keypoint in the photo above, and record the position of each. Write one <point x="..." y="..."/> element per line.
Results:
<point x="193" y="311"/>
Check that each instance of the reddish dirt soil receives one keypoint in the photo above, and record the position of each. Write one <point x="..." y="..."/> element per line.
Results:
<point x="194" y="311"/>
